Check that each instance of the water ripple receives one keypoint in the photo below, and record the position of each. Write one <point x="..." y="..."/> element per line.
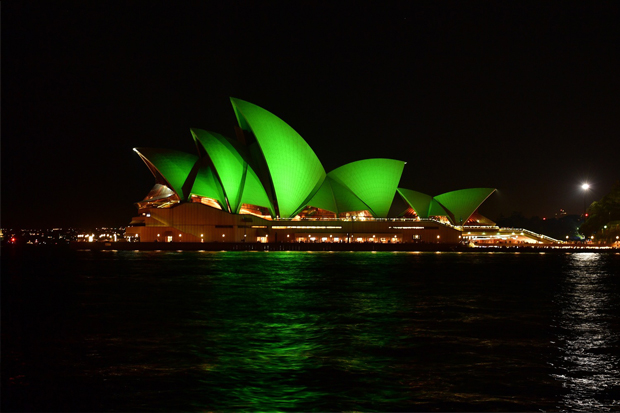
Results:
<point x="588" y="337"/>
<point x="234" y="331"/>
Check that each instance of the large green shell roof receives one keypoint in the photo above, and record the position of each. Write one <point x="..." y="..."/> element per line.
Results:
<point x="173" y="166"/>
<point x="373" y="181"/>
<point x="295" y="170"/>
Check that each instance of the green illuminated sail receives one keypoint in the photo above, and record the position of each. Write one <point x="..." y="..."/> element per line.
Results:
<point x="464" y="202"/>
<point x="173" y="167"/>
<point x="335" y="197"/>
<point x="294" y="169"/>
<point x="417" y="200"/>
<point x="435" y="209"/>
<point x="346" y="200"/>
<point x="206" y="184"/>
<point x="373" y="181"/>
<point x="324" y="197"/>
<point x="254" y="192"/>
<point x="228" y="162"/>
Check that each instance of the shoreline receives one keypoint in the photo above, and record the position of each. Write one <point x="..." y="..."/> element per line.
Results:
<point x="352" y="247"/>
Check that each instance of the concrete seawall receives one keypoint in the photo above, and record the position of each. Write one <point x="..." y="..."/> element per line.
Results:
<point x="232" y="246"/>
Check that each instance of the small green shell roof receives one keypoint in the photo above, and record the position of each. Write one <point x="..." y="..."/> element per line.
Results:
<point x="335" y="197"/>
<point x="173" y="166"/>
<point x="346" y="200"/>
<point x="206" y="184"/>
<point x="254" y="192"/>
<point x="464" y="202"/>
<point x="436" y="209"/>
<point x="456" y="205"/>
<point x="295" y="170"/>
<point x="373" y="181"/>
<point x="417" y="200"/>
<point x="324" y="197"/>
<point x="228" y="162"/>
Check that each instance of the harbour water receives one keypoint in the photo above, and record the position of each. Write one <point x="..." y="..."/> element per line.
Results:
<point x="309" y="331"/>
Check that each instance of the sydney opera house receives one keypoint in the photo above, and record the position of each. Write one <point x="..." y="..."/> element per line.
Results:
<point x="267" y="185"/>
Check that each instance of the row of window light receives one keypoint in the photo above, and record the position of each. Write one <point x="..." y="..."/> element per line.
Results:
<point x="287" y="236"/>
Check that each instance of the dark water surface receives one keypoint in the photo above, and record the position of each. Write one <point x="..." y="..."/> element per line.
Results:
<point x="299" y="331"/>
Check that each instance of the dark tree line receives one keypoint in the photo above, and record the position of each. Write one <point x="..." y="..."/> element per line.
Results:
<point x="605" y="212"/>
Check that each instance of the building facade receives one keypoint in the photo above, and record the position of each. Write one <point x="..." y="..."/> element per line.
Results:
<point x="268" y="185"/>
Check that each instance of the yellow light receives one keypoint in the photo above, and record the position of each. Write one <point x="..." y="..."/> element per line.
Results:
<point x="179" y="235"/>
<point x="223" y="235"/>
<point x="437" y="236"/>
<point x="202" y="235"/>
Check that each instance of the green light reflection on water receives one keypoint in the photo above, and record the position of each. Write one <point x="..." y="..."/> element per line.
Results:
<point x="279" y="334"/>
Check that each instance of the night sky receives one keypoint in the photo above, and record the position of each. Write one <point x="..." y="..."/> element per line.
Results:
<point x="525" y="99"/>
